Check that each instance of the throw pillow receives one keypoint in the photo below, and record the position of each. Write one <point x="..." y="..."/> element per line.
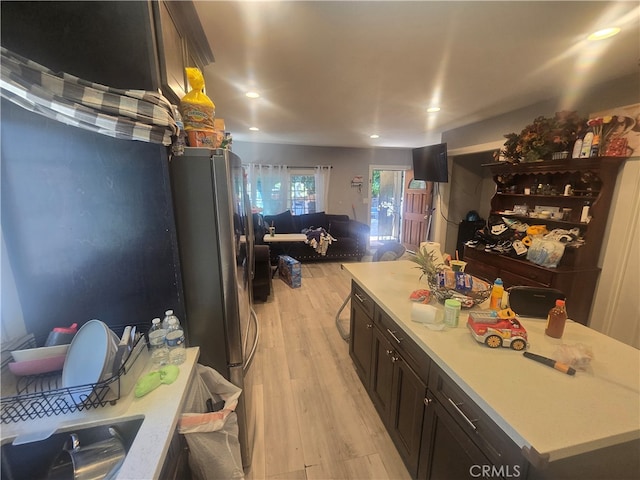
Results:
<point x="283" y="222"/>
<point x="317" y="220"/>
<point x="339" y="228"/>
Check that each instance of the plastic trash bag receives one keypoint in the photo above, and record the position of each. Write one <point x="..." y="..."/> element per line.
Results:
<point x="212" y="436"/>
<point x="546" y="253"/>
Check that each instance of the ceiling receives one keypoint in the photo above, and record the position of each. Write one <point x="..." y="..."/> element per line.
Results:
<point x="333" y="73"/>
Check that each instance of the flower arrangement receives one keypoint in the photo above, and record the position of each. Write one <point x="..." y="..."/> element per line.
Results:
<point x="543" y="137"/>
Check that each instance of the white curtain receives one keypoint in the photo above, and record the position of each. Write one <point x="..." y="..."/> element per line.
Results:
<point x="268" y="188"/>
<point x="322" y="174"/>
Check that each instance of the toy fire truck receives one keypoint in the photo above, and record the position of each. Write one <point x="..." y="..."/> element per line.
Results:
<point x="498" y="329"/>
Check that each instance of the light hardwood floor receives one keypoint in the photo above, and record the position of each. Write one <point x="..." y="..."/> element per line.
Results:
<point x="314" y="419"/>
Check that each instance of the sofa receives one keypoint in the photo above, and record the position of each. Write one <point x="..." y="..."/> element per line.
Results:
<point x="352" y="237"/>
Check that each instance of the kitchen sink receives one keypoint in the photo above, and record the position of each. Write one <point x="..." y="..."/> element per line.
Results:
<point x="31" y="461"/>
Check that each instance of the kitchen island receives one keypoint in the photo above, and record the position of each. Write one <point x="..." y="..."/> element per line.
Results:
<point x="549" y="418"/>
<point x="159" y="409"/>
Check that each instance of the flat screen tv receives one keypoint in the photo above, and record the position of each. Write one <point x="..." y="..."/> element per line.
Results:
<point x="430" y="163"/>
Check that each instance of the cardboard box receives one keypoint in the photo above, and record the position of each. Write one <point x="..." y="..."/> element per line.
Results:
<point x="290" y="271"/>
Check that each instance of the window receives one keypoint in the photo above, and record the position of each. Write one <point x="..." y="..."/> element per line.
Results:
<point x="302" y="192"/>
<point x="276" y="188"/>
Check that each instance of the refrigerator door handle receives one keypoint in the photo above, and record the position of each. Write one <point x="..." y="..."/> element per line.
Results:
<point x="249" y="359"/>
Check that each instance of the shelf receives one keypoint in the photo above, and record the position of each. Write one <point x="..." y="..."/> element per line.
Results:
<point x="553" y="197"/>
<point x="530" y="220"/>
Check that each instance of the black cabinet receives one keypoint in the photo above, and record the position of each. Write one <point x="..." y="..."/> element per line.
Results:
<point x="361" y="336"/>
<point x="394" y="372"/>
<point x="176" y="463"/>
<point x="439" y="432"/>
<point x="463" y="438"/>
<point x="447" y="451"/>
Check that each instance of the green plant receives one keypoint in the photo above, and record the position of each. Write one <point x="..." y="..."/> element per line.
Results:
<point x="540" y="139"/>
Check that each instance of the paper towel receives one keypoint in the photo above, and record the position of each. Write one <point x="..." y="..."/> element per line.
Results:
<point x="422" y="313"/>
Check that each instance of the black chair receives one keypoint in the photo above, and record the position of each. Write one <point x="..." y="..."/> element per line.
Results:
<point x="262" y="277"/>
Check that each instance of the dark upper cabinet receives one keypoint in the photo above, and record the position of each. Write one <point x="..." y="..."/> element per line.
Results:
<point x="123" y="44"/>
<point x="111" y="43"/>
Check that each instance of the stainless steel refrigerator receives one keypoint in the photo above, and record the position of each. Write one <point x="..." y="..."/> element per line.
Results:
<point x="215" y="243"/>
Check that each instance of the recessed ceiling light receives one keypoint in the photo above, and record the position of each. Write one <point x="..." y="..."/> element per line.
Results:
<point x="375" y="135"/>
<point x="254" y="129"/>
<point x="252" y="94"/>
<point x="604" y="33"/>
<point x="433" y="109"/>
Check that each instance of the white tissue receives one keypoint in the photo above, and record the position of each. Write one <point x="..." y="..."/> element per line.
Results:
<point x="427" y="314"/>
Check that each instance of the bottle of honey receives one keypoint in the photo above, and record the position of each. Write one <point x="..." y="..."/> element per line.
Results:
<point x="556" y="320"/>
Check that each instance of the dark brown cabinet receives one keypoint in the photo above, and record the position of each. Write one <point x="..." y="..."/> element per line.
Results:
<point x="438" y="431"/>
<point x="176" y="463"/>
<point x="361" y="336"/>
<point x="591" y="184"/>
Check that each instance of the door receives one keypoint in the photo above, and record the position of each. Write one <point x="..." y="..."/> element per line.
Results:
<point x="386" y="204"/>
<point x="417" y="211"/>
<point x="360" y="343"/>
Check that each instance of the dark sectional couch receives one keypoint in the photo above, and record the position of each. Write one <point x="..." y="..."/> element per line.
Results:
<point x="352" y="236"/>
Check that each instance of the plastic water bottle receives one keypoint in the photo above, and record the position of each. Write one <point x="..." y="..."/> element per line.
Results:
<point x="178" y="145"/>
<point x="157" y="345"/>
<point x="175" y="342"/>
<point x="168" y="315"/>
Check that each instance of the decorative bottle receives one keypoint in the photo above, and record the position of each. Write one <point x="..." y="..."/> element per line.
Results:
<point x="159" y="352"/>
<point x="556" y="320"/>
<point x="495" y="301"/>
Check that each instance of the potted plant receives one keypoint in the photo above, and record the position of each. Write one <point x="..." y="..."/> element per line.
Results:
<point x="542" y="138"/>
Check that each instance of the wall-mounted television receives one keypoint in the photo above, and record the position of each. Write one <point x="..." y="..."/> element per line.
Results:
<point x="430" y="163"/>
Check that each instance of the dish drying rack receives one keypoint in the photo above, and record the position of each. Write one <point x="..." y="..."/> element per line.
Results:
<point x="40" y="396"/>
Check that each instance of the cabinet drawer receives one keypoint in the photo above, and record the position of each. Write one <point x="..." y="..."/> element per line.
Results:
<point x="511" y="279"/>
<point x="537" y="275"/>
<point x="482" y="270"/>
<point x="415" y="357"/>
<point x="364" y="300"/>
<point x="494" y="443"/>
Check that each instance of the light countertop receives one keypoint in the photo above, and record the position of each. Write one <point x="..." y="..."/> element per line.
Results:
<point x="160" y="409"/>
<point x="537" y="406"/>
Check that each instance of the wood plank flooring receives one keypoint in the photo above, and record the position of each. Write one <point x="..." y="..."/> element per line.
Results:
<point x="314" y="420"/>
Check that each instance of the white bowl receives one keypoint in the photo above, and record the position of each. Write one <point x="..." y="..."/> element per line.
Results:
<point x="39" y="353"/>
<point x="90" y="357"/>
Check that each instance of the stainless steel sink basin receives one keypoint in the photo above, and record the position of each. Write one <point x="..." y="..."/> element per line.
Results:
<point x="31" y="461"/>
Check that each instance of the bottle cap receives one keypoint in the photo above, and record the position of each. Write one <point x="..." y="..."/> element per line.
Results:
<point x="155" y="320"/>
<point x="560" y="303"/>
<point x="452" y="302"/>
<point x="498" y="281"/>
<point x="168" y="312"/>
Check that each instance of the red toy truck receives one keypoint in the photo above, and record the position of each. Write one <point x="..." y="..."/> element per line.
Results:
<point x="498" y="329"/>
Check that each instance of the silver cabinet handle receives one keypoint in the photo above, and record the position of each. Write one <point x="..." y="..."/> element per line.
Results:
<point x="457" y="407"/>
<point x="393" y="334"/>
<point x="427" y="401"/>
<point x="357" y="295"/>
<point x="369" y="325"/>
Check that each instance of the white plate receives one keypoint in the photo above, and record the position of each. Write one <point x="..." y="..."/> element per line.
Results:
<point x="90" y="356"/>
<point x="30" y="354"/>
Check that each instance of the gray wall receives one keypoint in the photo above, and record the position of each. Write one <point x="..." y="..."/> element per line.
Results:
<point x="346" y="162"/>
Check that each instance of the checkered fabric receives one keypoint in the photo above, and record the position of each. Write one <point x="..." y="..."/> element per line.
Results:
<point x="126" y="114"/>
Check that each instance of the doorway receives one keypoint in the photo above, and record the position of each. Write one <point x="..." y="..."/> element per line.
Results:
<point x="386" y="204"/>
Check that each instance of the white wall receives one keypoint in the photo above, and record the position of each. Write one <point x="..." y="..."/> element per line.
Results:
<point x="616" y="306"/>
